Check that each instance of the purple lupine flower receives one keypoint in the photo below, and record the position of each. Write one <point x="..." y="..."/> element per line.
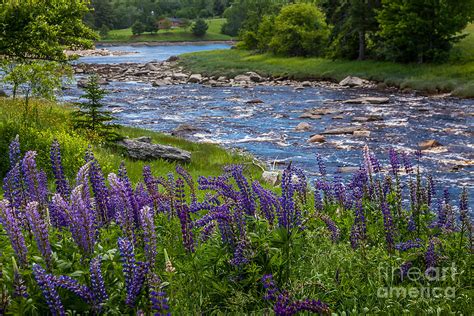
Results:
<point x="431" y="256"/>
<point x="289" y="215"/>
<point x="149" y="234"/>
<point x="394" y="161"/>
<point x="446" y="196"/>
<point x="59" y="211"/>
<point x="40" y="230"/>
<point x="375" y="163"/>
<point x="123" y="175"/>
<point x="410" y="244"/>
<point x="318" y="202"/>
<point x="36" y="181"/>
<point x="188" y="179"/>
<point x="119" y="200"/>
<point x="407" y="163"/>
<point x="359" y="228"/>
<point x="184" y="217"/>
<point x="97" y="282"/>
<point x="220" y="185"/>
<point x="331" y="226"/>
<point x="47" y="284"/>
<point x="340" y="191"/>
<point x="75" y="287"/>
<point x="388" y="225"/>
<point x="101" y="192"/>
<point x="464" y="208"/>
<point x="431" y="189"/>
<point x="134" y="271"/>
<point x="321" y="165"/>
<point x="246" y="198"/>
<point x="241" y="253"/>
<point x="83" y="221"/>
<point x="222" y="215"/>
<point x="62" y="185"/>
<point x="270" y="288"/>
<point x="142" y="197"/>
<point x="14" y="151"/>
<point x="11" y="224"/>
<point x="207" y="231"/>
<point x="310" y="305"/>
<point x="158" y="299"/>
<point x="13" y="187"/>
<point x="19" y="284"/>
<point x="269" y="204"/>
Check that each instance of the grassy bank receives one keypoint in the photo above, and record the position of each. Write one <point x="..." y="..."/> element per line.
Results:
<point x="173" y="35"/>
<point x="456" y="76"/>
<point x="49" y="121"/>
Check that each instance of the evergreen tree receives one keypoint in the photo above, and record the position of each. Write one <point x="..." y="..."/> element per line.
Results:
<point x="138" y="28"/>
<point x="90" y="116"/>
<point x="200" y="28"/>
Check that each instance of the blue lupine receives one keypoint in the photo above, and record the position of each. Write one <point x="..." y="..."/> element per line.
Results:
<point x="75" y="287"/>
<point x="62" y="185"/>
<point x="321" y="165"/>
<point x="407" y="163"/>
<point x="149" y="234"/>
<point x="410" y="244"/>
<point x="35" y="181"/>
<point x="331" y="226"/>
<point x="133" y="271"/>
<point x="12" y="226"/>
<point x="59" y="211"/>
<point x="40" y="230"/>
<point x="158" y="299"/>
<point x="97" y="282"/>
<point x="405" y="268"/>
<point x="14" y="151"/>
<point x="388" y="225"/>
<point x="47" y="284"/>
<point x="431" y="256"/>
<point x="189" y="181"/>
<point x="13" y="187"/>
<point x="119" y="200"/>
<point x="19" y="284"/>
<point x="83" y="221"/>
<point x="184" y="217"/>
<point x="394" y="161"/>
<point x="247" y="202"/>
<point x="270" y="288"/>
<point x="269" y="204"/>
<point x="101" y="192"/>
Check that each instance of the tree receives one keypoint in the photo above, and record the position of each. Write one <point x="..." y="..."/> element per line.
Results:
<point x="200" y="28"/>
<point x="104" y="31"/>
<point x="35" y="79"/>
<point x="422" y="30"/>
<point x="138" y="28"/>
<point x="165" y="24"/>
<point x="38" y="29"/>
<point x="90" y="116"/>
<point x="299" y="30"/>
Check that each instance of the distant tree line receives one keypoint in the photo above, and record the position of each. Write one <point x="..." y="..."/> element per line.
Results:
<point x="395" y="30"/>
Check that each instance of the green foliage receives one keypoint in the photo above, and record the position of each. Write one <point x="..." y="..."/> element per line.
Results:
<point x="299" y="30"/>
<point x="165" y="24"/>
<point x="138" y="28"/>
<point x="200" y="28"/>
<point x="104" y="31"/>
<point x="36" y="29"/>
<point x="422" y="30"/>
<point x="35" y="79"/>
<point x="90" y="116"/>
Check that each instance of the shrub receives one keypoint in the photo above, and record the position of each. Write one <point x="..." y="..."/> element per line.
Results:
<point x="138" y="28"/>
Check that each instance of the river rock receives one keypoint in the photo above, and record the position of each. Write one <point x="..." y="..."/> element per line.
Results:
<point x="241" y="78"/>
<point x="195" y="78"/>
<point x="317" y="139"/>
<point x="428" y="144"/>
<point x="368" y="100"/>
<point x="255" y="77"/>
<point x="222" y="79"/>
<point x="143" y="149"/>
<point x="311" y="116"/>
<point x="172" y="59"/>
<point x="186" y="129"/>
<point x="370" y="118"/>
<point x="362" y="133"/>
<point x="179" y="76"/>
<point x="272" y="177"/>
<point x="341" y="130"/>
<point x="306" y="84"/>
<point x="347" y="169"/>
<point x="303" y="126"/>
<point x="338" y="117"/>
<point x="151" y="67"/>
<point x="351" y="82"/>
<point x="254" y="101"/>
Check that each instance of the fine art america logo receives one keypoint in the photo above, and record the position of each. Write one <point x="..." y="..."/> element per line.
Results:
<point x="424" y="284"/>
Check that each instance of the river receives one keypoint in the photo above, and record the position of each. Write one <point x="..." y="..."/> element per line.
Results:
<point x="267" y="130"/>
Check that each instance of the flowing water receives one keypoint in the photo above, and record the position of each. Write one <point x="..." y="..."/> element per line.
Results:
<point x="267" y="130"/>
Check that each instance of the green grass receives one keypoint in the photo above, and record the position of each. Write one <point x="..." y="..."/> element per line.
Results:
<point x="52" y="121"/>
<point x="456" y="76"/>
<point x="173" y="35"/>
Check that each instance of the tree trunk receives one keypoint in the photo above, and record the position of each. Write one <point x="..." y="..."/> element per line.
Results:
<point x="361" y="45"/>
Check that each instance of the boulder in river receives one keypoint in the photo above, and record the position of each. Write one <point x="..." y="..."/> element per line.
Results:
<point x="195" y="78"/>
<point x="180" y="76"/>
<point x="362" y="133"/>
<point x="272" y="177"/>
<point x="428" y="144"/>
<point x="303" y="127"/>
<point x="370" y="118"/>
<point x="368" y="100"/>
<point x="241" y="78"/>
<point x="352" y="82"/>
<point x="143" y="149"/>
<point x="186" y="129"/>
<point x="316" y="139"/>
<point x="341" y="130"/>
<point x="254" y="77"/>
<point x="254" y="101"/>
<point x="172" y="58"/>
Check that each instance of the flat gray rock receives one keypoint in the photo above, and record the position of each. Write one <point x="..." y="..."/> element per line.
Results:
<point x="341" y="130"/>
<point x="142" y="149"/>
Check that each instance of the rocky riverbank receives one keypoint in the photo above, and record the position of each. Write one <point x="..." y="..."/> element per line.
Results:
<point x="96" y="52"/>
<point x="169" y="72"/>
